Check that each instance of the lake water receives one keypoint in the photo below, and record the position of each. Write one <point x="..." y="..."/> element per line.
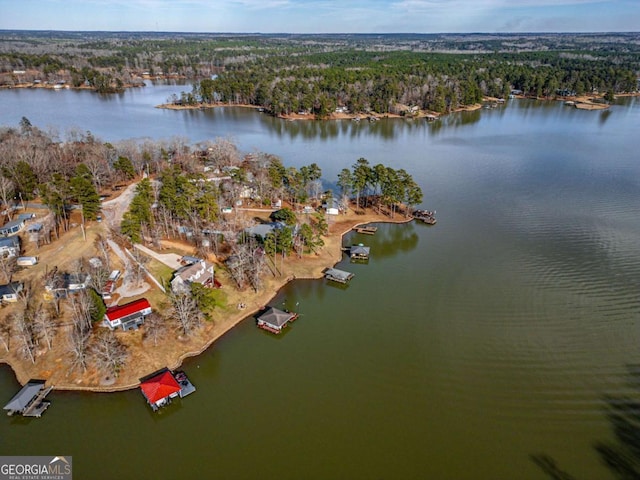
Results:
<point x="458" y="352"/>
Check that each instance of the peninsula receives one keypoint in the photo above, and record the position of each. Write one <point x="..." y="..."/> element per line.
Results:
<point x="159" y="221"/>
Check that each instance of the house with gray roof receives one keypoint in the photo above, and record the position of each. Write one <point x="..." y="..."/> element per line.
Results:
<point x="10" y="246"/>
<point x="201" y="272"/>
<point x="9" y="292"/>
<point x="12" y="227"/>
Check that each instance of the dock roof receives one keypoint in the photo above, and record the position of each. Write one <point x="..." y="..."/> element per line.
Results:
<point x="339" y="275"/>
<point x="277" y="318"/>
<point x="359" y="250"/>
<point x="21" y="400"/>
<point x="159" y="387"/>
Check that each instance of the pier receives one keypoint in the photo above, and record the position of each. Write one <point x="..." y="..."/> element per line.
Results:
<point x="366" y="230"/>
<point x="30" y="400"/>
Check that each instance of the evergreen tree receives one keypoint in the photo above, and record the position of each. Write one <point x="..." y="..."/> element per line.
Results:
<point x="84" y="192"/>
<point x="124" y="167"/>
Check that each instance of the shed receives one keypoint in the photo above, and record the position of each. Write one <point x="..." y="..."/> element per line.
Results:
<point x="27" y="261"/>
<point x="274" y="320"/>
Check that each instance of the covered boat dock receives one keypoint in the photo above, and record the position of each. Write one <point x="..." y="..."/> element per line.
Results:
<point x="30" y="400"/>
<point x="161" y="387"/>
<point x="336" y="275"/>
<point x="359" y="252"/>
<point x="274" y="320"/>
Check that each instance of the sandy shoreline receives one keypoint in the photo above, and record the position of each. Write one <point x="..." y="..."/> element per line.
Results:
<point x="172" y="352"/>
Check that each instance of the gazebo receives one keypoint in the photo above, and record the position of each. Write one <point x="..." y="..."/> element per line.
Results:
<point x="274" y="320"/>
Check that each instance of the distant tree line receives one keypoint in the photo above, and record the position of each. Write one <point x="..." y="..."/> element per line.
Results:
<point x="381" y="82"/>
<point x="316" y="73"/>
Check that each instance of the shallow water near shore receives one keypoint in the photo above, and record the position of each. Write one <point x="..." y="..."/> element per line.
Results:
<point x="458" y="351"/>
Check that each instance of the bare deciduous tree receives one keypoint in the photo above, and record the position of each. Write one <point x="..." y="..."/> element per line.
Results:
<point x="109" y="353"/>
<point x="155" y="328"/>
<point x="5" y="331"/>
<point x="44" y="325"/>
<point x="102" y="247"/>
<point x="27" y="343"/>
<point x="78" y="347"/>
<point x="6" y="193"/>
<point x="81" y="311"/>
<point x="8" y="266"/>
<point x="184" y="311"/>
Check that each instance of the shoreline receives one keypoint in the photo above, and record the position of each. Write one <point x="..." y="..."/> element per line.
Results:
<point x="581" y="102"/>
<point x="422" y="114"/>
<point x="146" y="359"/>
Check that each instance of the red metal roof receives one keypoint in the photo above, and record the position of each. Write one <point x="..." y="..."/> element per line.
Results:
<point x="121" y="311"/>
<point x="159" y="387"/>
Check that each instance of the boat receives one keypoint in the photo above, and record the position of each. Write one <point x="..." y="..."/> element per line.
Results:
<point x="425" y="216"/>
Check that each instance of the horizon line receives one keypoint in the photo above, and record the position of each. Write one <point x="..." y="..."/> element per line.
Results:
<point x="541" y="32"/>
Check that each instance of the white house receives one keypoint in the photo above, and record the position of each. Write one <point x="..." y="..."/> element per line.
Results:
<point x="128" y="316"/>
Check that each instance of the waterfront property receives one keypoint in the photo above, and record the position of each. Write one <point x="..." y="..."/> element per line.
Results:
<point x="274" y="320"/>
<point x="201" y="272"/>
<point x="128" y="316"/>
<point x="161" y="387"/>
<point x="336" y="275"/>
<point x="30" y="400"/>
<point x="359" y="252"/>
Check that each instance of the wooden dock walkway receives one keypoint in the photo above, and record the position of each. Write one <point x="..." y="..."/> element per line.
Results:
<point x="366" y="230"/>
<point x="38" y="405"/>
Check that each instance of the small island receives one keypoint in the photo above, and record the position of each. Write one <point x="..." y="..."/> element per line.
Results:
<point x="140" y="262"/>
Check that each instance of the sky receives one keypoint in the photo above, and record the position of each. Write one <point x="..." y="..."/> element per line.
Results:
<point x="323" y="16"/>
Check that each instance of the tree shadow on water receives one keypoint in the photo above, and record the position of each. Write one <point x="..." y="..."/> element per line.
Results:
<point x="622" y="455"/>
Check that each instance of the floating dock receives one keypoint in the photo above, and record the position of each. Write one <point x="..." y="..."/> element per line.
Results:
<point x="366" y="230"/>
<point x="425" y="216"/>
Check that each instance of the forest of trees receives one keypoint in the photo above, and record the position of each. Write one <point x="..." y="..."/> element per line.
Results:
<point x="317" y="73"/>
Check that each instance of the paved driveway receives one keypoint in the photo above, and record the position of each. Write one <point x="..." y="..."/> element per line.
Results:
<point x="170" y="259"/>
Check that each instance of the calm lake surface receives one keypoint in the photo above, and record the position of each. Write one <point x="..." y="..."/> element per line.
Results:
<point x="458" y="352"/>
